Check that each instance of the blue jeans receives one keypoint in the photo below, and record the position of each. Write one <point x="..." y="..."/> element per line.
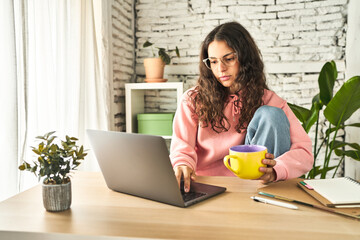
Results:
<point x="269" y="127"/>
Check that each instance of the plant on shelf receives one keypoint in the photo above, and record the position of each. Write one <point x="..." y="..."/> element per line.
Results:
<point x="336" y="109"/>
<point x="53" y="164"/>
<point x="154" y="67"/>
<point x="162" y="52"/>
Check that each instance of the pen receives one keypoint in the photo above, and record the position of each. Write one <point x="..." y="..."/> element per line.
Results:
<point x="327" y="209"/>
<point x="278" y="197"/>
<point x="273" y="202"/>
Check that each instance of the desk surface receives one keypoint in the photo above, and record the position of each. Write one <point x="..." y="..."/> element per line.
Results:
<point x="97" y="212"/>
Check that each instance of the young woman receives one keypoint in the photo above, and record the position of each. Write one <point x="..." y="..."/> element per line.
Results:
<point x="232" y="105"/>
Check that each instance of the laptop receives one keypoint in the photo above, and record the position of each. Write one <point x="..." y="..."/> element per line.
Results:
<point x="139" y="165"/>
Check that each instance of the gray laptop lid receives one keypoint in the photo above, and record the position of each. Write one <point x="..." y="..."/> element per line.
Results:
<point x="139" y="165"/>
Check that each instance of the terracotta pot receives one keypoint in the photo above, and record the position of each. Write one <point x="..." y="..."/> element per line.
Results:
<point x="56" y="197"/>
<point x="154" y="68"/>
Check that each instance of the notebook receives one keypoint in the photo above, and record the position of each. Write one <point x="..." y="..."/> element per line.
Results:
<point x="289" y="191"/>
<point x="334" y="192"/>
<point x="139" y="165"/>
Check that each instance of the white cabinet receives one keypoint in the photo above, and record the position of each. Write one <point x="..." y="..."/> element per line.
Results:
<point x="134" y="99"/>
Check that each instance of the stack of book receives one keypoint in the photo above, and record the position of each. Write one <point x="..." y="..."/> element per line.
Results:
<point x="333" y="192"/>
<point x="339" y="195"/>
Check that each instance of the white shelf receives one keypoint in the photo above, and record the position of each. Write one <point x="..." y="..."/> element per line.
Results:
<point x="166" y="137"/>
<point x="134" y="100"/>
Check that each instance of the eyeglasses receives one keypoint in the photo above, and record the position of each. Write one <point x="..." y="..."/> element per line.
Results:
<point x="228" y="60"/>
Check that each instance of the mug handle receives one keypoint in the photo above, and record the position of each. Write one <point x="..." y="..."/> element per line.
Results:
<point x="226" y="162"/>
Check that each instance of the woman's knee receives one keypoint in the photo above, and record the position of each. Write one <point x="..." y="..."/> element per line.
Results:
<point x="272" y="114"/>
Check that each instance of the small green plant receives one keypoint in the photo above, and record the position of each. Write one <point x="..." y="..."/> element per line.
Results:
<point x="54" y="162"/>
<point x="162" y="52"/>
<point x="338" y="109"/>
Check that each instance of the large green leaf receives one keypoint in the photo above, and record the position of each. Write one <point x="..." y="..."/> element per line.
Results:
<point x="345" y="102"/>
<point x="301" y="113"/>
<point x="340" y="144"/>
<point x="334" y="70"/>
<point x="352" y="125"/>
<point x="147" y="44"/>
<point x="327" y="78"/>
<point x="315" y="108"/>
<point x="349" y="153"/>
<point x="316" y="100"/>
<point x="305" y="116"/>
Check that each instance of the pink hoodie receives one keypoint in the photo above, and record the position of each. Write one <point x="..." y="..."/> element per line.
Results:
<point x="203" y="150"/>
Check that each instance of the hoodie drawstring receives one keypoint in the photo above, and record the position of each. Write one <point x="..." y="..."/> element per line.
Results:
<point x="235" y="109"/>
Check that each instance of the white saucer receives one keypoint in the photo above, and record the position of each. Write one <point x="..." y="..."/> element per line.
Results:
<point x="153" y="80"/>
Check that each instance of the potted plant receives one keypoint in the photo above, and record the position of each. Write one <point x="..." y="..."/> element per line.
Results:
<point x="337" y="109"/>
<point x="154" y="67"/>
<point x="54" y="164"/>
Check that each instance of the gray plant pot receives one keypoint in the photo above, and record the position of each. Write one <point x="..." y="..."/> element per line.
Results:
<point x="56" y="198"/>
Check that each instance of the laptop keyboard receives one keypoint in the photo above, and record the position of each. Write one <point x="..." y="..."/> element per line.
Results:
<point x="191" y="195"/>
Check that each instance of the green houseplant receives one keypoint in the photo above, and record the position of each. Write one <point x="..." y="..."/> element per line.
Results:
<point x="154" y="67"/>
<point x="54" y="163"/>
<point x="162" y="52"/>
<point x="336" y="109"/>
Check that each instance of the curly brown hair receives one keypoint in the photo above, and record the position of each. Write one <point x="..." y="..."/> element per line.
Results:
<point x="210" y="97"/>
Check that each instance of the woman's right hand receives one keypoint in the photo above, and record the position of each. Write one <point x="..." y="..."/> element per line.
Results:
<point x="187" y="173"/>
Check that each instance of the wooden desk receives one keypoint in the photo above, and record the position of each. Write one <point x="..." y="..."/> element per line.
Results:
<point x="99" y="213"/>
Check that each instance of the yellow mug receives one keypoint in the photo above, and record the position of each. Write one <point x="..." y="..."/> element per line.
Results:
<point x="244" y="160"/>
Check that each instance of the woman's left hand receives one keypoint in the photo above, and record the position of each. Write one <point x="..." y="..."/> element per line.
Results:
<point x="269" y="172"/>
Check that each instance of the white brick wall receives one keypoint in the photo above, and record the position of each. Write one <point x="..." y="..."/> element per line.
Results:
<point x="123" y="55"/>
<point x="285" y="30"/>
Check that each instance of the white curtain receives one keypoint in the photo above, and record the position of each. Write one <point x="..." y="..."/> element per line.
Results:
<point x="8" y="100"/>
<point x="62" y="85"/>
